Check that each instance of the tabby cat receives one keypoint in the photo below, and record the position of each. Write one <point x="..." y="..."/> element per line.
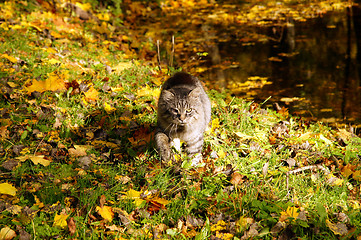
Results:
<point x="184" y="111"/>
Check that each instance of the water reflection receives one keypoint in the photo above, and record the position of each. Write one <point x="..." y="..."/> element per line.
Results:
<point x="314" y="62"/>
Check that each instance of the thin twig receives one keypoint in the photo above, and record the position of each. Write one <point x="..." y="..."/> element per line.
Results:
<point x="172" y="53"/>
<point x="37" y="147"/>
<point x="160" y="68"/>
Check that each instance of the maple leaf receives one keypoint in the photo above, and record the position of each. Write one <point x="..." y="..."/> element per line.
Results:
<point x="8" y="189"/>
<point x="290" y="213"/>
<point x="91" y="94"/>
<point x="135" y="195"/>
<point x="109" y="109"/>
<point x="347" y="170"/>
<point x="106" y="212"/>
<point x="54" y="82"/>
<point x="60" y="220"/>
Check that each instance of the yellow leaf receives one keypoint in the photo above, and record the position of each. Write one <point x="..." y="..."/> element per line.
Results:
<point x="222" y="154"/>
<point x="337" y="229"/>
<point x="12" y="84"/>
<point x="291" y="212"/>
<point x="135" y="195"/>
<point x="215" y="124"/>
<point x="7" y="188"/>
<point x="122" y="66"/>
<point x="60" y="220"/>
<point x="147" y="91"/>
<point x="156" y="81"/>
<point x="53" y="83"/>
<point x="219" y="226"/>
<point x="161" y="201"/>
<point x="85" y="6"/>
<point x="91" y="94"/>
<point x="104" y="17"/>
<point x="106" y="212"/>
<point x="53" y="61"/>
<point x="7" y="233"/>
<point x="347" y="170"/>
<point x="109" y="109"/>
<point x="117" y="89"/>
<point x="38" y="202"/>
<point x="39" y="160"/>
<point x="357" y="175"/>
<point x="10" y="58"/>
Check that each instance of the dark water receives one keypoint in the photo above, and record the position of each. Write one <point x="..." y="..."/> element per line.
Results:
<point x="311" y="67"/>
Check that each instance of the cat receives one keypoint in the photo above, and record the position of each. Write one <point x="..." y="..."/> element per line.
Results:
<point x="184" y="111"/>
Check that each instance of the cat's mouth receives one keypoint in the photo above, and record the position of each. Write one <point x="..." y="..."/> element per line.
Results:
<point x="181" y="124"/>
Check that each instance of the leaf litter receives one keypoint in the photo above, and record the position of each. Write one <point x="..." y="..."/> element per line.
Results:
<point x="77" y="123"/>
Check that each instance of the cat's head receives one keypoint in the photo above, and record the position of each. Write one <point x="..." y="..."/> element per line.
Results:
<point x="182" y="105"/>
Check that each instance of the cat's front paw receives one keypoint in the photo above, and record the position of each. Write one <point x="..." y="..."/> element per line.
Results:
<point x="166" y="155"/>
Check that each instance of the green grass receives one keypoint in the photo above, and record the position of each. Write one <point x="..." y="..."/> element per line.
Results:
<point x="120" y="155"/>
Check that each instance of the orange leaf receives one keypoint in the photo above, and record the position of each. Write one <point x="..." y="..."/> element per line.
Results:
<point x="91" y="94"/>
<point x="53" y="83"/>
<point x="106" y="212"/>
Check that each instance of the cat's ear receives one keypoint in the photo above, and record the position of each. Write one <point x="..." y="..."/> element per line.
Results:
<point x="195" y="93"/>
<point x="168" y="95"/>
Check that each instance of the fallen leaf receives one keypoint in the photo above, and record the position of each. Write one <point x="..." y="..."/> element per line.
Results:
<point x="10" y="58"/>
<point x="71" y="226"/>
<point x="237" y="178"/>
<point x="40" y="159"/>
<point x="7" y="233"/>
<point x="8" y="189"/>
<point x="60" y="220"/>
<point x="122" y="66"/>
<point x="109" y="109"/>
<point x="54" y="82"/>
<point x="106" y="213"/>
<point x="135" y="195"/>
<point x="290" y="214"/>
<point x="91" y="94"/>
<point x="357" y="175"/>
<point x="338" y="228"/>
<point x="14" y="209"/>
<point x="148" y="91"/>
<point x="78" y="150"/>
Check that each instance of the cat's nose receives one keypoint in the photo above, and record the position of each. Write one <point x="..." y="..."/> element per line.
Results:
<point x="182" y="117"/>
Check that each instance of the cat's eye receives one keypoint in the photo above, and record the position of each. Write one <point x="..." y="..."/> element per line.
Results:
<point x="189" y="110"/>
<point x="174" y="110"/>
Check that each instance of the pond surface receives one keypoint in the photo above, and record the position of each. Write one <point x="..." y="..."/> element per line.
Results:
<point x="309" y="67"/>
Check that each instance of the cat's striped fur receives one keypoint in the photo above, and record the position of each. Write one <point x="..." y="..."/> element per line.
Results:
<point x="184" y="111"/>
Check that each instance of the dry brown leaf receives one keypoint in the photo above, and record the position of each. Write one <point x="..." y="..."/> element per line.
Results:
<point x="71" y="226"/>
<point x="237" y="178"/>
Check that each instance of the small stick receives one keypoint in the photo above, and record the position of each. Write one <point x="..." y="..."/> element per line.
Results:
<point x="172" y="53"/>
<point x="160" y="68"/>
